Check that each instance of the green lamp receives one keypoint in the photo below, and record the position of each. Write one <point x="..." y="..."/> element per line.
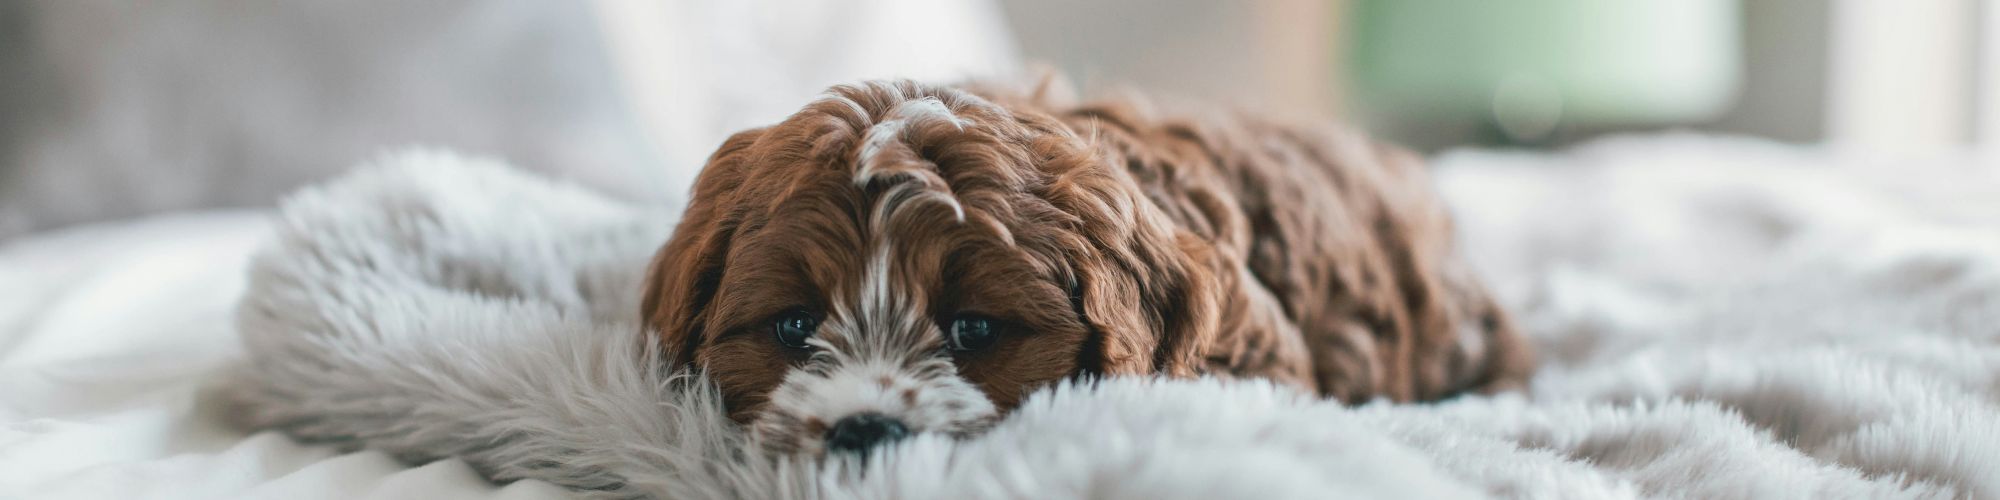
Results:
<point x="1521" y="70"/>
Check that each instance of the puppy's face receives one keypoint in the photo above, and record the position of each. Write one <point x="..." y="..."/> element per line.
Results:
<point x="897" y="259"/>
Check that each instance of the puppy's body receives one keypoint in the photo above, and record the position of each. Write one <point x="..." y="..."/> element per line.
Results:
<point x="925" y="256"/>
<point x="1337" y="254"/>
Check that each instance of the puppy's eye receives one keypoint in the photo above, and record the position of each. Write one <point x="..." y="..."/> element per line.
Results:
<point x="793" y="328"/>
<point x="972" y="333"/>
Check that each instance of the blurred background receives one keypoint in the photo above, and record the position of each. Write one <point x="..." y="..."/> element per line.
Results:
<point x="116" y="109"/>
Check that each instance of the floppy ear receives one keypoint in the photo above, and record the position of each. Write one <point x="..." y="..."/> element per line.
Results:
<point x="684" y="274"/>
<point x="1143" y="286"/>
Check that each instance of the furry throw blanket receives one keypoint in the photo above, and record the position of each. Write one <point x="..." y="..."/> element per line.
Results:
<point x="1766" y="330"/>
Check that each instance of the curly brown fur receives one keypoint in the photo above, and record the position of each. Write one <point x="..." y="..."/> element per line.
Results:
<point x="1101" y="238"/>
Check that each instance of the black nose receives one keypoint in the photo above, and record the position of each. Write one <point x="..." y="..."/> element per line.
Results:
<point x="858" y="433"/>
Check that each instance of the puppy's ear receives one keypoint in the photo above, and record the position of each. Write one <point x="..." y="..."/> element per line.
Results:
<point x="1143" y="286"/>
<point x="684" y="274"/>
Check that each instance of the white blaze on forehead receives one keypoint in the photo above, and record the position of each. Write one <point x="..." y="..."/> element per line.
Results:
<point x="880" y="320"/>
<point x="879" y="304"/>
<point x="890" y="319"/>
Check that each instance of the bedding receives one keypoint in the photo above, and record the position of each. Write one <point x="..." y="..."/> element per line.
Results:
<point x="1718" y="318"/>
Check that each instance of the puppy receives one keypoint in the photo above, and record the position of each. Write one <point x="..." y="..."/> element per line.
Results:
<point x="900" y="258"/>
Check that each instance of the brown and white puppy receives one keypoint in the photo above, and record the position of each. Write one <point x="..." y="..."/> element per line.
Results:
<point x="900" y="258"/>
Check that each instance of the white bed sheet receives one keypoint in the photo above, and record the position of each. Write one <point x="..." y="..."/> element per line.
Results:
<point x="110" y="337"/>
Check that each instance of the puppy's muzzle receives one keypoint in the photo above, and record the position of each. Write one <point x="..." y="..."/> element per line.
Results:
<point x="860" y="433"/>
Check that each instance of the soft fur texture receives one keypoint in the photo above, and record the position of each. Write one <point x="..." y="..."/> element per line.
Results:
<point x="1103" y="238"/>
<point x="434" y="306"/>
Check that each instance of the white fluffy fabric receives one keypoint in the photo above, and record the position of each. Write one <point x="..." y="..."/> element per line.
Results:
<point x="1718" y="319"/>
<point x="1812" y="341"/>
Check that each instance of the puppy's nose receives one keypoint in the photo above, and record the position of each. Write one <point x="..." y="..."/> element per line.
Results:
<point x="858" y="433"/>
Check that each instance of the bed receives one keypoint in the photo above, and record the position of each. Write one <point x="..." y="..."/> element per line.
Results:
<point x="1718" y="318"/>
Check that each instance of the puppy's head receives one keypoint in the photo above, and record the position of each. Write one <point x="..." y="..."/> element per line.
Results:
<point x="899" y="258"/>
